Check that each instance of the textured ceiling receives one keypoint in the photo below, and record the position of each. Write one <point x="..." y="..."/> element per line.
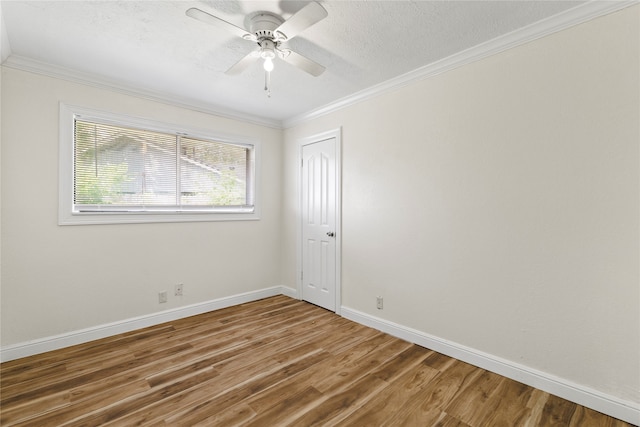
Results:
<point x="154" y="47"/>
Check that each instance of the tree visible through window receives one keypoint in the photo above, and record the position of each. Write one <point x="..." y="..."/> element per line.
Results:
<point x="126" y="169"/>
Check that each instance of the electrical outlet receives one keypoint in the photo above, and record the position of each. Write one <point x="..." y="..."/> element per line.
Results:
<point x="179" y="288"/>
<point x="162" y="297"/>
<point x="379" y="303"/>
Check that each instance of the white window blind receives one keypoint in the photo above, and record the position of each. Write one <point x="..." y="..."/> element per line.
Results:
<point x="214" y="173"/>
<point x="122" y="169"/>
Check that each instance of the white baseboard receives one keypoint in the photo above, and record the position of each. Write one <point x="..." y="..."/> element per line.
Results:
<point x="601" y="402"/>
<point x="30" y="348"/>
<point x="289" y="292"/>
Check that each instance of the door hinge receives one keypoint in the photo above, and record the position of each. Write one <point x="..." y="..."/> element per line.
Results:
<point x="301" y="163"/>
<point x="302" y="275"/>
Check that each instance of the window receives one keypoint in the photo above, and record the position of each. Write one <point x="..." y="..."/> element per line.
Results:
<point x="118" y="169"/>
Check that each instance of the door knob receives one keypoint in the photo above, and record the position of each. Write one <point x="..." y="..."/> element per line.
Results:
<point x="330" y="233"/>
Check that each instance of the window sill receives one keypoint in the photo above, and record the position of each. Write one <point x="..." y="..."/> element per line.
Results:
<point x="95" y="218"/>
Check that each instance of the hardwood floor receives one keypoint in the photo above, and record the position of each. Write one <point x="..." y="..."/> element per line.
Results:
<point x="273" y="362"/>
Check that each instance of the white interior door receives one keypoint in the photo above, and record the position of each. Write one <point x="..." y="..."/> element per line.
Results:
<point x="319" y="223"/>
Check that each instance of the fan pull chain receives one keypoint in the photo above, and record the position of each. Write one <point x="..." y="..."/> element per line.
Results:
<point x="267" y="83"/>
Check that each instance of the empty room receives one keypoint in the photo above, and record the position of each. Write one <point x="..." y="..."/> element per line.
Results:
<point x="336" y="213"/>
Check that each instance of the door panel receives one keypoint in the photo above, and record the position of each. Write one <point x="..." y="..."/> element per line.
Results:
<point x="318" y="223"/>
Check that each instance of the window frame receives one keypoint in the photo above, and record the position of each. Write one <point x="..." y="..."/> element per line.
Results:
<point x="68" y="215"/>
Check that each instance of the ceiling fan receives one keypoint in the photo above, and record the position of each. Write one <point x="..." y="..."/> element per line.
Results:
<point x="270" y="31"/>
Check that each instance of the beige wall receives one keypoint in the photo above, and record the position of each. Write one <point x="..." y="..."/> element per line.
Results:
<point x="57" y="279"/>
<point x="497" y="205"/>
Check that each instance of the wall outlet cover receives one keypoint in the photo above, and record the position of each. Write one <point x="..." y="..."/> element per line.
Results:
<point x="162" y="297"/>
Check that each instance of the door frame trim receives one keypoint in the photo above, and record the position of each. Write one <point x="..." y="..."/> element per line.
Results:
<point x="337" y="134"/>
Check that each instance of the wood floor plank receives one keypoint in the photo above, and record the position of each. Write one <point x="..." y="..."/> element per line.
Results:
<point x="557" y="412"/>
<point x="244" y="391"/>
<point x="426" y="406"/>
<point x="240" y="415"/>
<point x="273" y="362"/>
<point x="447" y="420"/>
<point x="35" y="408"/>
<point x="474" y="402"/>
<point x="360" y="361"/>
<point x="585" y="417"/>
<point x="512" y="412"/>
<point x="339" y="405"/>
<point x="235" y="370"/>
<point x="391" y="399"/>
<point x="80" y="351"/>
<point x="263" y="402"/>
<point x="278" y="413"/>
<point x="287" y="352"/>
<point x="215" y="353"/>
<point x="359" y="354"/>
<point x="190" y="400"/>
<point x="344" y="400"/>
<point x="141" y="400"/>
<point x="235" y="367"/>
<point x="535" y="405"/>
<point x="75" y="381"/>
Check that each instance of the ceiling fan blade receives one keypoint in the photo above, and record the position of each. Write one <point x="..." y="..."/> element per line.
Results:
<point x="301" y="20"/>
<point x="207" y="18"/>
<point x="243" y="64"/>
<point x="305" y="64"/>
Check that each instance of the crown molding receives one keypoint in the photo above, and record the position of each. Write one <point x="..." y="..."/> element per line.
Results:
<point x="569" y="18"/>
<point x="39" y="67"/>
<point x="5" y="46"/>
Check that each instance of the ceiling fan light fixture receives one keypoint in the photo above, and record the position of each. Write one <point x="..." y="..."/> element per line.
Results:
<point x="267" y="49"/>
<point x="268" y="64"/>
<point x="268" y="53"/>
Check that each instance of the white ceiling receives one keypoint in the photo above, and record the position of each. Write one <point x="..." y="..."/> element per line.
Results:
<point x="152" y="47"/>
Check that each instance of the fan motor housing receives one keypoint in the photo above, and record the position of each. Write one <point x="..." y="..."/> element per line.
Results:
<point x="263" y="24"/>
